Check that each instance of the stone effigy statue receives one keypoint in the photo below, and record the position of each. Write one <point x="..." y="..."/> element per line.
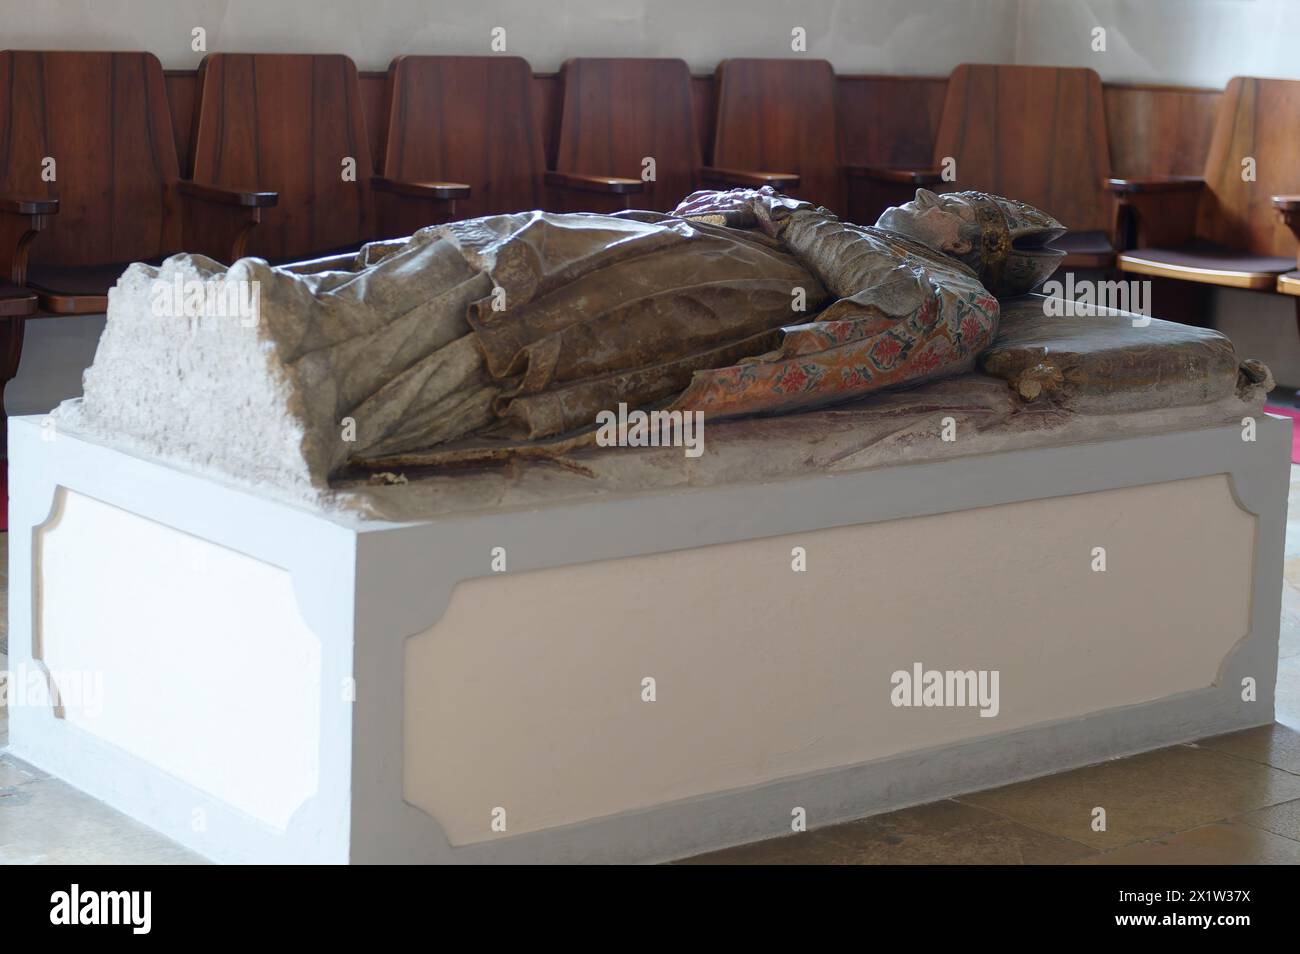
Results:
<point x="506" y="337"/>
<point x="526" y="326"/>
<point x="738" y="303"/>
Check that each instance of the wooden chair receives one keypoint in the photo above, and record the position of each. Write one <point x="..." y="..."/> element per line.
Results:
<point x="293" y="123"/>
<point x="89" y="136"/>
<point x="89" y="183"/>
<point x="778" y="115"/>
<point x="1236" y="226"/>
<point x="618" y="113"/>
<point x="1034" y="133"/>
<point x="463" y="118"/>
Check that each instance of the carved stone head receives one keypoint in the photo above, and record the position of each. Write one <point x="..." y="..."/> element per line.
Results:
<point x="1003" y="240"/>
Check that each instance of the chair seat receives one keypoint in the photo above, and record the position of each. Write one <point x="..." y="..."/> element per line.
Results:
<point x="1208" y="264"/>
<point x="1289" y="284"/>
<point x="83" y="289"/>
<point x="15" y="301"/>
<point x="1086" y="249"/>
<point x="75" y="290"/>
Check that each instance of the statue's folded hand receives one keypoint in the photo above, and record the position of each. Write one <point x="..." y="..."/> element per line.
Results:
<point x="763" y="208"/>
<point x="730" y="208"/>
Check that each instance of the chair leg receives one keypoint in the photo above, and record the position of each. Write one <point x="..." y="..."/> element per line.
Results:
<point x="11" y="352"/>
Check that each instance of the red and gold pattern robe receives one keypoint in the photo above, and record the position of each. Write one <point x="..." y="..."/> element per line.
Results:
<point x="905" y="314"/>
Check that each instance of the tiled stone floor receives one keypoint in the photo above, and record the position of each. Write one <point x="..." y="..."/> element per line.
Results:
<point x="1234" y="799"/>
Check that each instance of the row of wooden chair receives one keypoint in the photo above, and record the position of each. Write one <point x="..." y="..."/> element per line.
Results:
<point x="1237" y="225"/>
<point x="271" y="135"/>
<point x="89" y="137"/>
<point x="471" y="119"/>
<point x="280" y="165"/>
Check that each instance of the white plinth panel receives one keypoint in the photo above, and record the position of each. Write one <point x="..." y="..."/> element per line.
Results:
<point x="217" y="683"/>
<point x="276" y="684"/>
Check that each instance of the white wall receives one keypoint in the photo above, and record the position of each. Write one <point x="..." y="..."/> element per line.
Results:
<point x="1179" y="42"/>
<point x="896" y="36"/>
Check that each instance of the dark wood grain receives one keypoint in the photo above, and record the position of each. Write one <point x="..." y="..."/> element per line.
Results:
<point x="780" y="116"/>
<point x="548" y="103"/>
<point x="104" y="120"/>
<point x="704" y="104"/>
<point x="181" y="86"/>
<point x="619" y="112"/>
<point x="374" y="107"/>
<point x="284" y="123"/>
<point x="464" y="119"/>
<point x="1035" y="133"/>
<point x="887" y="123"/>
<point x="1259" y="119"/>
<point x="1159" y="130"/>
<point x="890" y="120"/>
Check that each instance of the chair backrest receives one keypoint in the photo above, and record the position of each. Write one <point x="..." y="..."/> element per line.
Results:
<point x="466" y="119"/>
<point x="619" y="112"/>
<point x="1034" y="133"/>
<point x="287" y="123"/>
<point x="94" y="131"/>
<point x="1254" y="155"/>
<point x="779" y="116"/>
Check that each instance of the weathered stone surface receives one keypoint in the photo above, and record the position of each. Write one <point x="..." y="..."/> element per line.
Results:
<point x="402" y="364"/>
<point x="897" y="427"/>
<point x="1106" y="361"/>
<point x="207" y="393"/>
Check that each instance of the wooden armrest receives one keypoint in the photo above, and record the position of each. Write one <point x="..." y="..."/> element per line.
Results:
<point x="25" y="217"/>
<point x="749" y="177"/>
<point x="1148" y="184"/>
<point x="1288" y="210"/>
<point x="1154" y="211"/>
<point x="248" y="198"/>
<point x="917" y="177"/>
<point x="421" y="190"/>
<point x="22" y="205"/>
<point x="219" y="220"/>
<point x="613" y="185"/>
